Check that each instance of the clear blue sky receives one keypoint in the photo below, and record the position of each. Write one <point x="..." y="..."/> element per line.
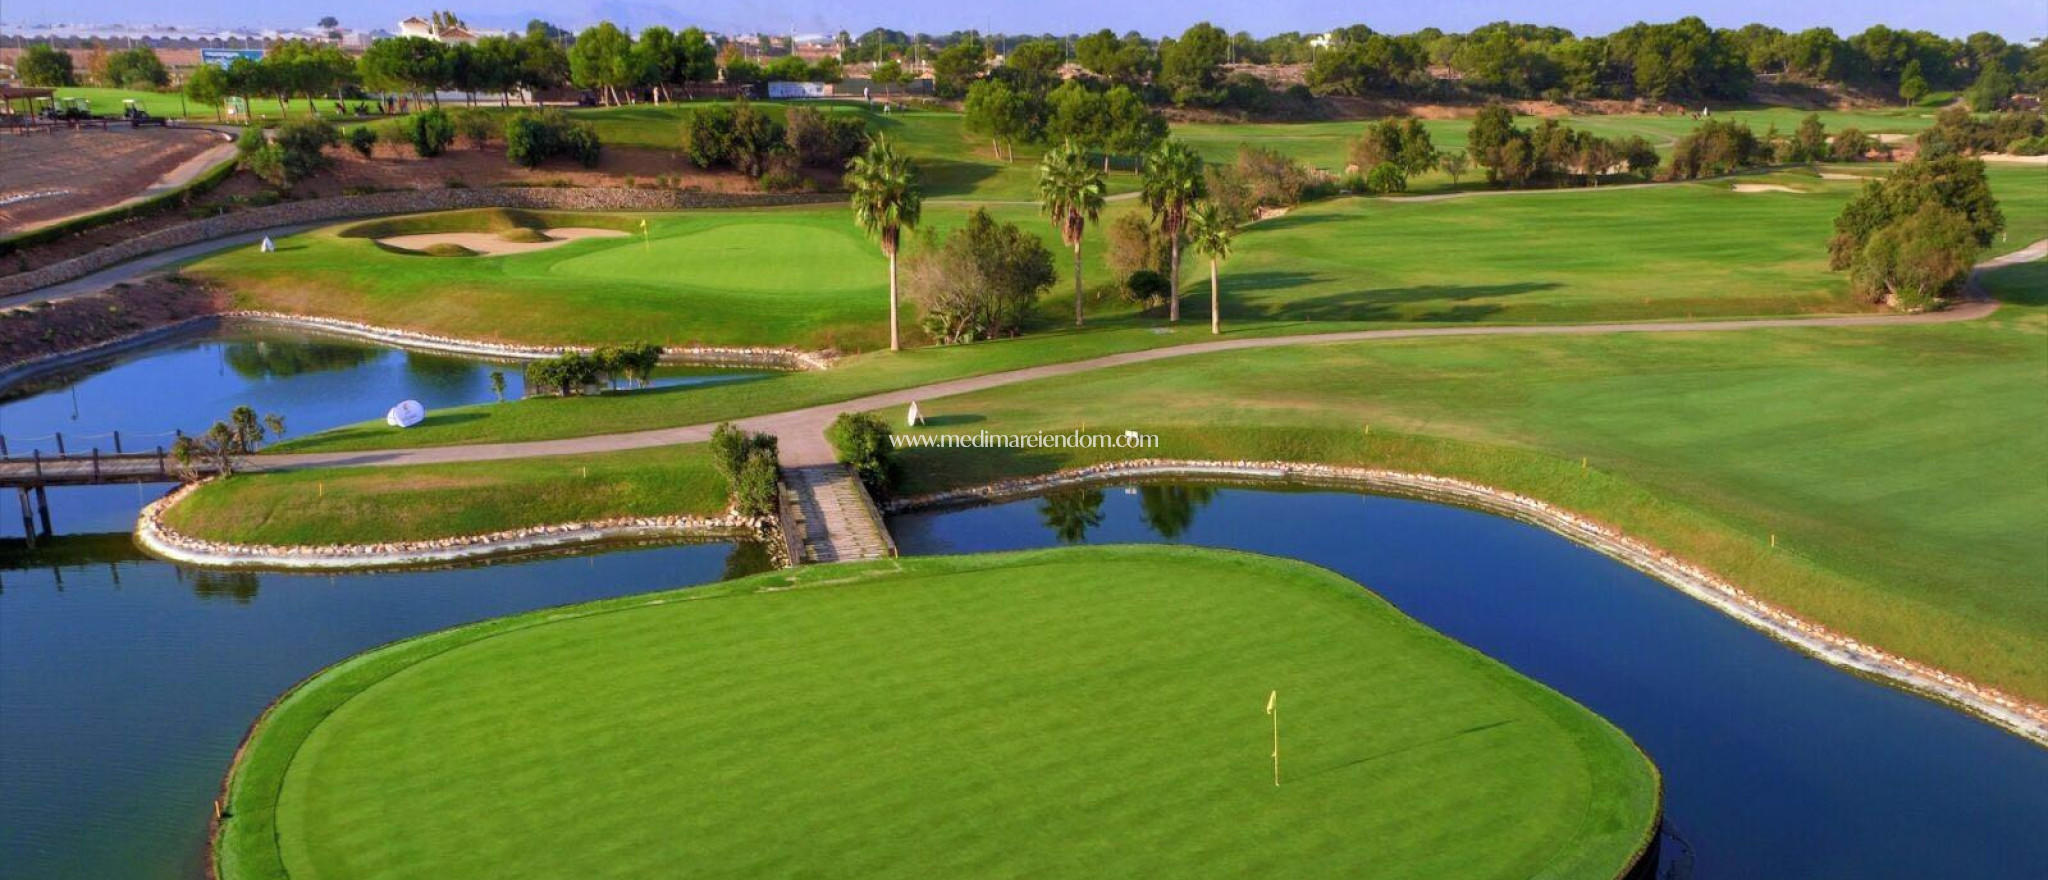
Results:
<point x="2015" y="19"/>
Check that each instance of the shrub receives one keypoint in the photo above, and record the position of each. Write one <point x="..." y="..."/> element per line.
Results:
<point x="748" y="462"/>
<point x="982" y="282"/>
<point x="861" y="441"/>
<point x="363" y="140"/>
<point x="1147" y="287"/>
<point x="1386" y="177"/>
<point x="474" y="126"/>
<point x="826" y="140"/>
<point x="1716" y="148"/>
<point x="736" y="135"/>
<point x="707" y="135"/>
<point x="753" y="493"/>
<point x="565" y="375"/>
<point x="533" y="137"/>
<point x="429" y="131"/>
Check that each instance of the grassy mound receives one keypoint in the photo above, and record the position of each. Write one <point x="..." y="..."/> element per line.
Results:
<point x="447" y="249"/>
<point x="497" y="220"/>
<point x="524" y="235"/>
<point x="1083" y="712"/>
<point x="422" y="502"/>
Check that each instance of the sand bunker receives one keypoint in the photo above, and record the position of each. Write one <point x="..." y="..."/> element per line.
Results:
<point x="1837" y="175"/>
<point x="488" y="244"/>
<point x="1765" y="188"/>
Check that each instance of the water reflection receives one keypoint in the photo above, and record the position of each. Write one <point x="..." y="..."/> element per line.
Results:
<point x="1170" y="510"/>
<point x="269" y="359"/>
<point x="126" y="682"/>
<point x="1070" y="513"/>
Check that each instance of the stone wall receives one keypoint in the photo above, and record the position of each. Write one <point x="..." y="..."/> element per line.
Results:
<point x="402" y="202"/>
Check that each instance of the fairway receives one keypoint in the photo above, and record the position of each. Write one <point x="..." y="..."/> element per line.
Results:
<point x="1075" y="713"/>
<point x="1860" y="453"/>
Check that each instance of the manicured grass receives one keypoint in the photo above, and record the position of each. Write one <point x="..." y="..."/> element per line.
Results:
<point x="170" y="105"/>
<point x="1084" y="712"/>
<point x="371" y="504"/>
<point x="1903" y="470"/>
<point x="803" y="277"/>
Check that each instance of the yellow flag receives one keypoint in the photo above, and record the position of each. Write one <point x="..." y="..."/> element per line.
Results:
<point x="1272" y="701"/>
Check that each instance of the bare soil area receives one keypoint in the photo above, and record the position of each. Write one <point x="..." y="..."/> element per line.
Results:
<point x="53" y="175"/>
<point x="32" y="331"/>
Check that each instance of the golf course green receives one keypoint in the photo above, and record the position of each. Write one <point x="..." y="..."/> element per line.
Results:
<point x="1073" y="713"/>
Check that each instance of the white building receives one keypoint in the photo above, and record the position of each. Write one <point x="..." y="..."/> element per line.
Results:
<point x="424" y="29"/>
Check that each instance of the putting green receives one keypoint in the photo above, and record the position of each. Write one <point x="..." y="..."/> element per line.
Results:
<point x="1083" y="712"/>
<point x="787" y="254"/>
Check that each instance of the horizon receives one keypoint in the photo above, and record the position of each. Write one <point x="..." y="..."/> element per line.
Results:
<point x="2015" y="20"/>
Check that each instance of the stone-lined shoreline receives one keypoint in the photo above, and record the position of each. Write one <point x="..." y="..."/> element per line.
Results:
<point x="2027" y="719"/>
<point x="157" y="538"/>
<point x="790" y="359"/>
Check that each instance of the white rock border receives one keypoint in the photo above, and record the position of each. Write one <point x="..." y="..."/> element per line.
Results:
<point x="2027" y="719"/>
<point x="706" y="355"/>
<point x="159" y="539"/>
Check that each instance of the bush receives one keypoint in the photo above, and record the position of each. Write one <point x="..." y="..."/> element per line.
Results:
<point x="1716" y="148"/>
<point x="826" y="140"/>
<point x="1147" y="287"/>
<point x="429" y="131"/>
<point x="781" y="174"/>
<point x="982" y="282"/>
<point x="736" y="135"/>
<point x="1386" y="177"/>
<point x="707" y="135"/>
<point x="533" y="137"/>
<point x="363" y="140"/>
<point x="474" y="126"/>
<point x="861" y="441"/>
<point x="753" y="494"/>
<point x="565" y="375"/>
<point x="749" y="463"/>
<point x="298" y="151"/>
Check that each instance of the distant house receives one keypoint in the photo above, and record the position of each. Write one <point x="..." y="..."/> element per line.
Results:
<point x="424" y="29"/>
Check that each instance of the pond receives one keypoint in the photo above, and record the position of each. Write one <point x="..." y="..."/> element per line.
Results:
<point x="126" y="682"/>
<point x="1775" y="764"/>
<point x="315" y="382"/>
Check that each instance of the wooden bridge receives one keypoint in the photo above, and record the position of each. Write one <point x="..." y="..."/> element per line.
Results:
<point x="827" y="516"/>
<point x="33" y="474"/>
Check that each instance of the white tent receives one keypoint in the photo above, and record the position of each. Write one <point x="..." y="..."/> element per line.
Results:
<point x="405" y="415"/>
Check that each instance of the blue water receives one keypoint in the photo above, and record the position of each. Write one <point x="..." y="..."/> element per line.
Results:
<point x="314" y="382"/>
<point x="1775" y="765"/>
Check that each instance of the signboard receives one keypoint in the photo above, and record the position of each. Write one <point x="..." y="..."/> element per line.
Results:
<point x="799" y="90"/>
<point x="221" y="58"/>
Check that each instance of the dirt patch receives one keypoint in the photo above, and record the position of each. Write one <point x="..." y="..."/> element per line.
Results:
<point x="1765" y="188"/>
<point x="33" y="331"/>
<point x="2011" y="159"/>
<point x="490" y="244"/>
<point x="396" y="167"/>
<point x="52" y="175"/>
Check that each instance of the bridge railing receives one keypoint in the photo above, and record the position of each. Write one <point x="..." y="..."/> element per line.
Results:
<point x="23" y="448"/>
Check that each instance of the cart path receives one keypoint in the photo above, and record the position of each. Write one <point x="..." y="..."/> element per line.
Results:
<point x="801" y="431"/>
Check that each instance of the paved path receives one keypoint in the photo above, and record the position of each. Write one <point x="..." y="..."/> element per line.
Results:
<point x="147" y="265"/>
<point x="801" y="431"/>
<point x="839" y="520"/>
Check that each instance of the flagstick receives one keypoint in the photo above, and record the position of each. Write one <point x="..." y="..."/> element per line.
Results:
<point x="1273" y="709"/>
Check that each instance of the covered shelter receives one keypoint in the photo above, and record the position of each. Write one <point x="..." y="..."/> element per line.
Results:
<point x="25" y="94"/>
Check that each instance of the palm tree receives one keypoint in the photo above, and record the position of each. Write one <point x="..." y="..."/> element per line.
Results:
<point x="1210" y="229"/>
<point x="887" y="199"/>
<point x="1071" y="191"/>
<point x="1173" y="183"/>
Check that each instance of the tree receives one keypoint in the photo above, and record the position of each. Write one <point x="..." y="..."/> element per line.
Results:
<point x="960" y="64"/>
<point x="1913" y="84"/>
<point x="1453" y="164"/>
<point x="1916" y="260"/>
<point x="887" y="198"/>
<point x="408" y="65"/>
<point x="1000" y="112"/>
<point x="1173" y="182"/>
<point x="1071" y="192"/>
<point x="137" y="68"/>
<point x="429" y="131"/>
<point x="1074" y="112"/>
<point x="1037" y="58"/>
<point x="1191" y="67"/>
<point x="207" y="86"/>
<point x="825" y="140"/>
<point x="1125" y="61"/>
<point x="45" y="67"/>
<point x="1130" y="127"/>
<point x="981" y="282"/>
<point x="1991" y="90"/>
<point x="1954" y="183"/>
<point x="602" y="60"/>
<point x="1210" y="230"/>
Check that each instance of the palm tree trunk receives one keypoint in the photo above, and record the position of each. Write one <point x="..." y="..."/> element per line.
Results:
<point x="1077" y="282"/>
<point x="1173" y="301"/>
<point x="1215" y="312"/>
<point x="895" y="343"/>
